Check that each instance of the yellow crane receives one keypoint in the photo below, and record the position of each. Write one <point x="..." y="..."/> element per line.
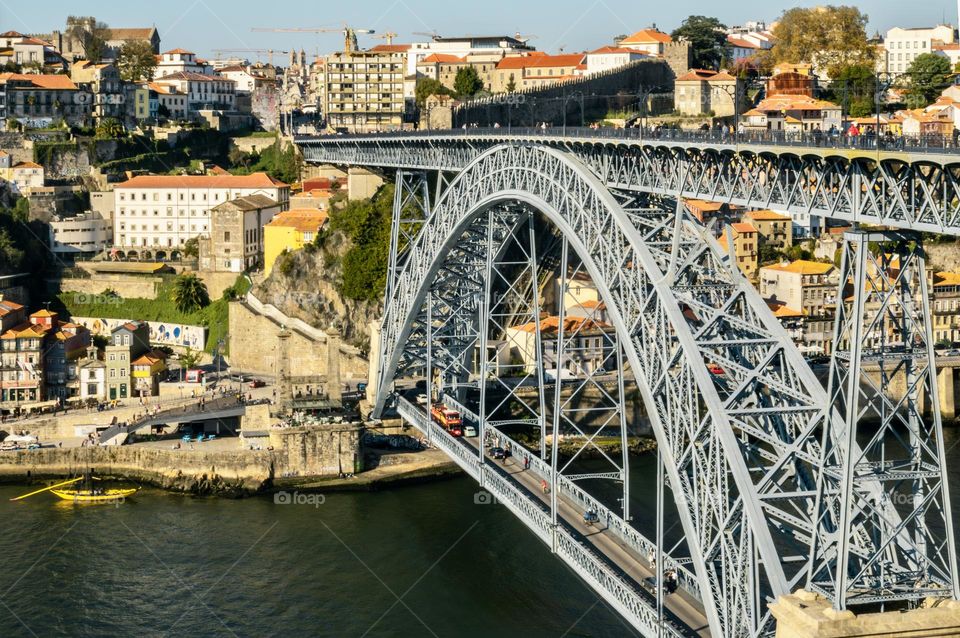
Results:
<point x="388" y="36"/>
<point x="259" y="52"/>
<point x="349" y="33"/>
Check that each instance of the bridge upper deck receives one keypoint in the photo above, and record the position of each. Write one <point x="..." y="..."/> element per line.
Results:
<point x="906" y="183"/>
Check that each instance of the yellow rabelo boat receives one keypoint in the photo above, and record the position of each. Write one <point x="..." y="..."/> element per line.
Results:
<point x="89" y="493"/>
<point x="95" y="495"/>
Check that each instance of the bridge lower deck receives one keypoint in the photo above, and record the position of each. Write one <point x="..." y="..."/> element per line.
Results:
<point x="682" y="613"/>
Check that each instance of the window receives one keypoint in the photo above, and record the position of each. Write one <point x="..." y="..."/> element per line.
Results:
<point x="226" y="235"/>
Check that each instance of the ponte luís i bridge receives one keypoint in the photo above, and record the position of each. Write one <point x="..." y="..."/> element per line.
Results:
<point x="775" y="481"/>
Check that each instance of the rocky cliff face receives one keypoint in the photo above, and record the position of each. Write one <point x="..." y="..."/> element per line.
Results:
<point x="306" y="285"/>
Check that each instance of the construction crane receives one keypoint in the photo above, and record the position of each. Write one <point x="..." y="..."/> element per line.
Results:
<point x="388" y="36"/>
<point x="259" y="52"/>
<point x="349" y="33"/>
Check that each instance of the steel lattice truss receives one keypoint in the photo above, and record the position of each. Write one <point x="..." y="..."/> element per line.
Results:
<point x="895" y="189"/>
<point x="895" y="543"/>
<point x="740" y="445"/>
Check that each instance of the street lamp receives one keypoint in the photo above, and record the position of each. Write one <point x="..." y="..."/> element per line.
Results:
<point x="576" y="95"/>
<point x="643" y="94"/>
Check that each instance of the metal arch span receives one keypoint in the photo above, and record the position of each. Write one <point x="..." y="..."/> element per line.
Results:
<point x="914" y="191"/>
<point x="741" y="453"/>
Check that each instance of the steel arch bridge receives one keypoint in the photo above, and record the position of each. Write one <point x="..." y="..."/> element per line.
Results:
<point x="756" y="456"/>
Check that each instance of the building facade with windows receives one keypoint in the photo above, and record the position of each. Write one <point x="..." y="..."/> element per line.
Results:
<point x="127" y="343"/>
<point x="289" y="231"/>
<point x="154" y="215"/>
<point x="902" y="46"/>
<point x="235" y="242"/>
<point x="364" y="91"/>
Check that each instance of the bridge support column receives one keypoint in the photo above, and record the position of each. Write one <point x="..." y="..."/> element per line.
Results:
<point x="808" y="615"/>
<point x="946" y="391"/>
<point x="894" y="488"/>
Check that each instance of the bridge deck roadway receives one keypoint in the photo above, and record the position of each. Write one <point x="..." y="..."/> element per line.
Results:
<point x="680" y="609"/>
<point x="680" y="604"/>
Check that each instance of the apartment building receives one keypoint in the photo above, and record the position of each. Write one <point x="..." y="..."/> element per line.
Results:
<point x="745" y="247"/>
<point x="235" y="242"/>
<point x="588" y="346"/>
<point x="289" y="231"/>
<point x="702" y="91"/>
<point x="180" y="61"/>
<point x="774" y="229"/>
<point x="127" y="343"/>
<point x="154" y="215"/>
<point x="807" y="286"/>
<point x="902" y="46"/>
<point x="85" y="234"/>
<point x="537" y="70"/>
<point x="38" y="99"/>
<point x="364" y="91"/>
<point x="201" y="91"/>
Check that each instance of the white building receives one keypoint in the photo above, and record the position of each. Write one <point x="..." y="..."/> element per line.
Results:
<point x="201" y="91"/>
<point x="461" y="47"/>
<point x="649" y="41"/>
<point x="23" y="176"/>
<point x="902" y="46"/>
<point x="93" y="377"/>
<point x="610" y="58"/>
<point x="156" y="214"/>
<point x="180" y="61"/>
<point x="86" y="233"/>
<point x="243" y="79"/>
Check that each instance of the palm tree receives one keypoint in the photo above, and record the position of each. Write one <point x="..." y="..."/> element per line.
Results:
<point x="190" y="293"/>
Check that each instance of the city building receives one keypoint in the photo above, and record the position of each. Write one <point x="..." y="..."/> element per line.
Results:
<point x="745" y="247"/>
<point x="650" y="41"/>
<point x="147" y="370"/>
<point x="902" y="45"/>
<point x="29" y="53"/>
<point x="807" y="286"/>
<point x="102" y="82"/>
<point x="170" y="102"/>
<point x="611" y="58"/>
<point x="38" y="99"/>
<point x="21" y="364"/>
<point x="701" y="92"/>
<point x="244" y="78"/>
<point x="364" y="91"/>
<point x="235" y="242"/>
<point x="290" y="231"/>
<point x="588" y="347"/>
<point x="774" y="230"/>
<point x="82" y="235"/>
<point x="92" y="375"/>
<point x="202" y="92"/>
<point x="706" y="212"/>
<point x="68" y="43"/>
<point x="536" y="70"/>
<point x="792" y="114"/>
<point x="24" y="177"/>
<point x="945" y="307"/>
<point x="66" y="343"/>
<point x="11" y="314"/>
<point x="127" y="343"/>
<point x="180" y="61"/>
<point x="156" y="214"/>
<point x="490" y="48"/>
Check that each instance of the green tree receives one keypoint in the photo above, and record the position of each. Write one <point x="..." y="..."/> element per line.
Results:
<point x="190" y="293"/>
<point x="926" y="77"/>
<point x="707" y="39"/>
<point x="21" y="210"/>
<point x="511" y="84"/>
<point x="91" y="34"/>
<point x="831" y="37"/>
<point x="427" y="87"/>
<point x="110" y="127"/>
<point x="191" y="248"/>
<point x="855" y="88"/>
<point x="136" y="61"/>
<point x="163" y="111"/>
<point x="11" y="257"/>
<point x="189" y="358"/>
<point x="467" y="82"/>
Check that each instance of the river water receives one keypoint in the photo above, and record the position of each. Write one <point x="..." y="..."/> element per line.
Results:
<point x="173" y="565"/>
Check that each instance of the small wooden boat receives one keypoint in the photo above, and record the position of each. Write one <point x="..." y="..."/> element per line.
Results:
<point x="95" y="496"/>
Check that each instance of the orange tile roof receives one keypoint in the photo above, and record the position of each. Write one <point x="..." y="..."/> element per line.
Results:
<point x="43" y="81"/>
<point x="255" y="180"/>
<point x="551" y="325"/>
<point x="766" y="216"/>
<point x="131" y="33"/>
<point x="26" y="165"/>
<point x="609" y="49"/>
<point x="794" y="103"/>
<point x="150" y="358"/>
<point x="11" y="34"/>
<point x="704" y="205"/>
<point x="647" y="36"/>
<point x="44" y="313"/>
<point x="441" y="58"/>
<point x="803" y="267"/>
<point x="741" y="227"/>
<point x="25" y="330"/>
<point x="743" y="44"/>
<point x="301" y="219"/>
<point x="391" y="48"/>
<point x="946" y="279"/>
<point x="178" y="52"/>
<point x="540" y="61"/>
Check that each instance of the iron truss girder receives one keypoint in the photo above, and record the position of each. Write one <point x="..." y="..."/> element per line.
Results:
<point x="742" y="481"/>
<point x="893" y="189"/>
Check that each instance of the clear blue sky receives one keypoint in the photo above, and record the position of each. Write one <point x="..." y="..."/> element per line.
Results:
<point x="203" y="25"/>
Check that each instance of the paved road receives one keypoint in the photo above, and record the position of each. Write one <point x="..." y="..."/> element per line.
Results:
<point x="680" y="604"/>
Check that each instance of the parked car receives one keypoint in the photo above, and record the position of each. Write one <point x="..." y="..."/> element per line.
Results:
<point x="421" y="399"/>
<point x="469" y="431"/>
<point x="257" y="383"/>
<point x="499" y="453"/>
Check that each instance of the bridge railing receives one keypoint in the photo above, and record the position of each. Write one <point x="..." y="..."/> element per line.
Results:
<point x="928" y="143"/>
<point x="687" y="579"/>
<point x="620" y="593"/>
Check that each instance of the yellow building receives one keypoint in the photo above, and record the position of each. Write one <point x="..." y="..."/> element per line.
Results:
<point x="774" y="229"/>
<point x="290" y="230"/>
<point x="744" y="247"/>
<point x="146" y="372"/>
